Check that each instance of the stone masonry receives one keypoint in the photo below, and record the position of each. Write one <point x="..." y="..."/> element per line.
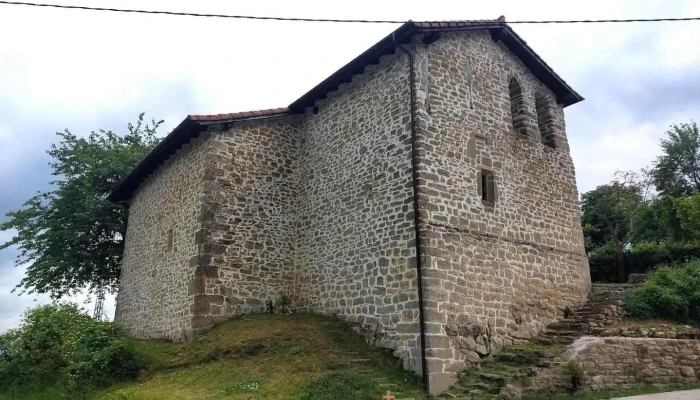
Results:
<point x="622" y="363"/>
<point x="319" y="206"/>
<point x="506" y="268"/>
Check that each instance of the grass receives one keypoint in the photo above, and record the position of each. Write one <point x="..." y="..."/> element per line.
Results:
<point x="651" y="323"/>
<point x="297" y="357"/>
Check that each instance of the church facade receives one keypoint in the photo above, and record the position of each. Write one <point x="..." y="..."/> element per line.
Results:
<point x="424" y="192"/>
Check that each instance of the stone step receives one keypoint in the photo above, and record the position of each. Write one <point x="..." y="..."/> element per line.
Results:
<point x="558" y="332"/>
<point x="475" y="386"/>
<point x="479" y="388"/>
<point x="544" y="363"/>
<point x="554" y="340"/>
<point x="513" y="358"/>
<point x="494" y="378"/>
<point x="572" y="326"/>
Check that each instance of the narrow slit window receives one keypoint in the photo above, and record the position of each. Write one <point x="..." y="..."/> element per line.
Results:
<point x="487" y="186"/>
<point x="169" y="244"/>
<point x="517" y="111"/>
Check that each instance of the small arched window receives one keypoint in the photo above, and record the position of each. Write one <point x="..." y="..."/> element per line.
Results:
<point x="544" y="122"/>
<point x="517" y="108"/>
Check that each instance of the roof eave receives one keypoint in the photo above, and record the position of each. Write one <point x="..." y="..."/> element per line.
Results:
<point x="565" y="94"/>
<point x="187" y="130"/>
<point x="178" y="137"/>
<point x="371" y="56"/>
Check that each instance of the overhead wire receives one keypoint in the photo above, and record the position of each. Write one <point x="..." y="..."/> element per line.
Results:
<point x="364" y="21"/>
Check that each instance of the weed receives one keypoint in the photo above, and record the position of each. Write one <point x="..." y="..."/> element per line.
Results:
<point x="283" y="302"/>
<point x="568" y="312"/>
<point x="576" y="370"/>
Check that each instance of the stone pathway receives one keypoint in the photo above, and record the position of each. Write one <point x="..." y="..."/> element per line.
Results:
<point x="682" y="395"/>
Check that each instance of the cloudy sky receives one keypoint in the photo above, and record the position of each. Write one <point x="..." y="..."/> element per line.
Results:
<point x="85" y="70"/>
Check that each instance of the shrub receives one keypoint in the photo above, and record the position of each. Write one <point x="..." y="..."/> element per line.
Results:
<point x="641" y="258"/>
<point x="668" y="293"/>
<point x="60" y="344"/>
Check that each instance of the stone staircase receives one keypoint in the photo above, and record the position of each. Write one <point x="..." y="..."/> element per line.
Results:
<point x="504" y="375"/>
<point x="604" y="307"/>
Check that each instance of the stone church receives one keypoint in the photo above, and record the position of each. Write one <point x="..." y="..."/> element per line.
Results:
<point x="424" y="191"/>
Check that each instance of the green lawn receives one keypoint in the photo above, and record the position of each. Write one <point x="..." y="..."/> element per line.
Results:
<point x="300" y="356"/>
<point x="297" y="357"/>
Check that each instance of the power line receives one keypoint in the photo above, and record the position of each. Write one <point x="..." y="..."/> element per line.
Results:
<point x="365" y="21"/>
<point x="21" y="3"/>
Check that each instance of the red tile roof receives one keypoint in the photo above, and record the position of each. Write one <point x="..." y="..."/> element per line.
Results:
<point x="273" y="112"/>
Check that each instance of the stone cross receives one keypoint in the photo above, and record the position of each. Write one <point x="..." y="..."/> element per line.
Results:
<point x="388" y="396"/>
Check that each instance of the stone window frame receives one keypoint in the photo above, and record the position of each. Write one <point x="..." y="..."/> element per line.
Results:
<point x="488" y="194"/>
<point x="518" y="113"/>
<point x="543" y="112"/>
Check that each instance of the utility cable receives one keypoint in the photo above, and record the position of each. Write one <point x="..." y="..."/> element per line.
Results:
<point x="364" y="21"/>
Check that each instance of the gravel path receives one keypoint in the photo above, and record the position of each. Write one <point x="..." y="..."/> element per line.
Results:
<point x="682" y="395"/>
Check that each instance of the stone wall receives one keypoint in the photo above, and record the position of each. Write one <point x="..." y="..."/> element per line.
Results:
<point x="154" y="300"/>
<point x="493" y="270"/>
<point x="356" y="245"/>
<point x="620" y="363"/>
<point x="248" y="234"/>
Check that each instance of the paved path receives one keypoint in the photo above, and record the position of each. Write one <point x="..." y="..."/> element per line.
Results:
<point x="682" y="395"/>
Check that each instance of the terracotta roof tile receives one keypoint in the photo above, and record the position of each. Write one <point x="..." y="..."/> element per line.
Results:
<point x="273" y="112"/>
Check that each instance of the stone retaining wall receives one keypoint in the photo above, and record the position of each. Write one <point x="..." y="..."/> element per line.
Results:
<point x="620" y="363"/>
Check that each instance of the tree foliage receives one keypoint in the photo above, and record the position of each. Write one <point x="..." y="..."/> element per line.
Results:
<point x="636" y="233"/>
<point x="71" y="237"/>
<point x="608" y="213"/>
<point x="677" y="170"/>
<point x="688" y="212"/>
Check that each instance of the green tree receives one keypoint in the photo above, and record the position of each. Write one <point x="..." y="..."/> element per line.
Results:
<point x="71" y="237"/>
<point x="608" y="212"/>
<point x="688" y="212"/>
<point x="676" y="172"/>
<point x="656" y="221"/>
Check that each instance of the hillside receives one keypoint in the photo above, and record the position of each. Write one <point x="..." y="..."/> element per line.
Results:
<point x="299" y="356"/>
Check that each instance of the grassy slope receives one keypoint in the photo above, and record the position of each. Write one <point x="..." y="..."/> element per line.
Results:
<point x="301" y="356"/>
<point x="298" y="357"/>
